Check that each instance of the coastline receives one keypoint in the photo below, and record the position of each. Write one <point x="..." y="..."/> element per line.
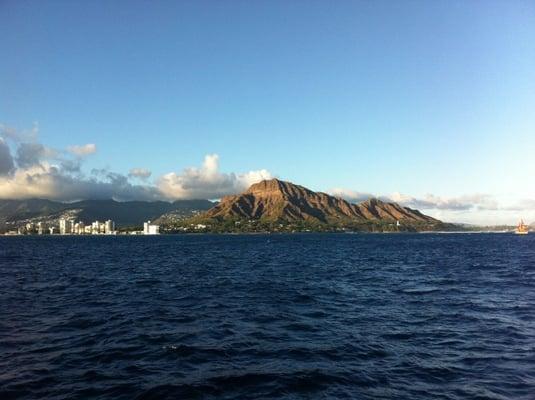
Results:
<point x="267" y="233"/>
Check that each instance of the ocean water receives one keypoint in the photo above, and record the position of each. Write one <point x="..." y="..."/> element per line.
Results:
<point x="328" y="316"/>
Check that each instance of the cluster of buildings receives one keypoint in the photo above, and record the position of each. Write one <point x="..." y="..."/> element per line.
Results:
<point x="41" y="228"/>
<point x="67" y="227"/>
<point x="70" y="227"/>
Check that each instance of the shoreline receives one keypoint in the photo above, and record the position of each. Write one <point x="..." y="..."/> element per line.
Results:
<point x="266" y="233"/>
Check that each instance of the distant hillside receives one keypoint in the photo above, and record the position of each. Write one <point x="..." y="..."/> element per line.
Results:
<point x="279" y="200"/>
<point x="13" y="208"/>
<point x="135" y="212"/>
<point x="15" y="212"/>
<point x="275" y="201"/>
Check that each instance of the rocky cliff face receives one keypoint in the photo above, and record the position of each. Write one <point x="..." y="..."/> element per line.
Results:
<point x="279" y="200"/>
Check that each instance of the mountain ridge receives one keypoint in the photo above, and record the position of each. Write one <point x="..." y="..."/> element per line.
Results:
<point x="281" y="201"/>
<point x="284" y="200"/>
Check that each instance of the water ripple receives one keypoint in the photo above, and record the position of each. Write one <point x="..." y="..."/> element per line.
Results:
<point x="268" y="316"/>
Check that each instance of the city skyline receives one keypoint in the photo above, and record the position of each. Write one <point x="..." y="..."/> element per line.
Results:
<point x="425" y="104"/>
<point x="73" y="226"/>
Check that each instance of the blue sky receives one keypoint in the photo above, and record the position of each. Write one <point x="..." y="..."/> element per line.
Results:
<point x="414" y="99"/>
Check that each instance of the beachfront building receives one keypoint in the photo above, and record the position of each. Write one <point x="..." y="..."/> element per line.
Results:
<point x="66" y="226"/>
<point x="103" y="228"/>
<point x="109" y="227"/>
<point x="151" y="229"/>
<point x="79" y="228"/>
<point x="95" y="228"/>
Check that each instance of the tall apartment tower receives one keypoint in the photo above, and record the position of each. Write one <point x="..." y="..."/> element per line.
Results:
<point x="63" y="226"/>
<point x="66" y="226"/>
<point x="109" y="227"/>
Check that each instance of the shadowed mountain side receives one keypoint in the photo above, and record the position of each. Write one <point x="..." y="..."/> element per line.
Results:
<point x="123" y="213"/>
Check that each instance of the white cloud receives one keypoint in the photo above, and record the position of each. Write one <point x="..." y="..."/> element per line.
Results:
<point x="83" y="150"/>
<point x="350" y="195"/>
<point x="207" y="182"/>
<point x="141" y="173"/>
<point x="52" y="182"/>
<point x="39" y="171"/>
<point x="521" y="205"/>
<point x="16" y="135"/>
<point x="65" y="182"/>
<point x="430" y="201"/>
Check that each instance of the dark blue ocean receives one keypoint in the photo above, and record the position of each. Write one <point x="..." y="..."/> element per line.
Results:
<point x="328" y="316"/>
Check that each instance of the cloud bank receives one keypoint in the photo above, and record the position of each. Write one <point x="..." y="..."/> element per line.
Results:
<point x="482" y="209"/>
<point x="207" y="182"/>
<point x="350" y="195"/>
<point x="53" y="182"/>
<point x="429" y="202"/>
<point x="37" y="171"/>
<point x="463" y="203"/>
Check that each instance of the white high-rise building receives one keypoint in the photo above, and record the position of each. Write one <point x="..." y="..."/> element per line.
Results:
<point x="109" y="227"/>
<point x="65" y="226"/>
<point x="151" y="229"/>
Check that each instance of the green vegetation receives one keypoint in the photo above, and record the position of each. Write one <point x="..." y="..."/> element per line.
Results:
<point x="237" y="225"/>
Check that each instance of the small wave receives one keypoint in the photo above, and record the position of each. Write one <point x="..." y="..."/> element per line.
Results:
<point x="421" y="290"/>
<point x="301" y="327"/>
<point x="399" y="335"/>
<point x="312" y="316"/>
<point x="188" y="351"/>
